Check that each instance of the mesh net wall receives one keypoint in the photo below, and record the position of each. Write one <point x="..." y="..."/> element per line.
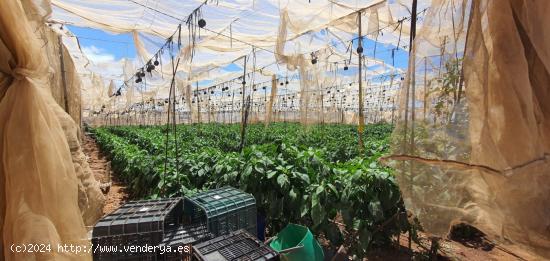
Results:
<point x="65" y="86"/>
<point x="47" y="189"/>
<point x="473" y="147"/>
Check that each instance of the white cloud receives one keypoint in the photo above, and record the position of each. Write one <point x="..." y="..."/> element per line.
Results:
<point x="97" y="55"/>
<point x="103" y="63"/>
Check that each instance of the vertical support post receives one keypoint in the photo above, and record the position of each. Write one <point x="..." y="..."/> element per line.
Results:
<point x="244" y="123"/>
<point x="392" y="110"/>
<point x="461" y="82"/>
<point x="413" y="70"/>
<point x="341" y="109"/>
<point x="269" y="109"/>
<point x="425" y="87"/>
<point x="243" y="93"/>
<point x="198" y="103"/>
<point x="232" y="107"/>
<point x="412" y="78"/>
<point x="360" y="58"/>
<point x="322" y="106"/>
<point x="63" y="76"/>
<point x="209" y="106"/>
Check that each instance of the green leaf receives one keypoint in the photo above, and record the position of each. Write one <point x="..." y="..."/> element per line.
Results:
<point x="333" y="188"/>
<point x="357" y="223"/>
<point x="247" y="172"/>
<point x="282" y="180"/>
<point x="304" y="210"/>
<point x="292" y="194"/>
<point x="319" y="190"/>
<point x="271" y="174"/>
<point x="317" y="214"/>
<point x="376" y="210"/>
<point x="314" y="199"/>
<point x="304" y="177"/>
<point x="201" y="172"/>
<point x="259" y="169"/>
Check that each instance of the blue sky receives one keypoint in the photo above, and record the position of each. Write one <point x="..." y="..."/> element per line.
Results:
<point x="118" y="45"/>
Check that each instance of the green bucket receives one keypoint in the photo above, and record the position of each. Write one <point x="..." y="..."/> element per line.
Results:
<point x="296" y="243"/>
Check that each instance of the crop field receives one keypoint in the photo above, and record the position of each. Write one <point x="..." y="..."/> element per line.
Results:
<point x="312" y="175"/>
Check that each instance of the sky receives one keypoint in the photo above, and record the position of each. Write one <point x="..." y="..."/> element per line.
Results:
<point x="103" y="45"/>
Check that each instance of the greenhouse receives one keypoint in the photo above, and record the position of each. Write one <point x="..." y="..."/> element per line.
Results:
<point x="274" y="130"/>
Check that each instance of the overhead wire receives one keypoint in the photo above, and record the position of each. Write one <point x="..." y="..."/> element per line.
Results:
<point x="252" y="45"/>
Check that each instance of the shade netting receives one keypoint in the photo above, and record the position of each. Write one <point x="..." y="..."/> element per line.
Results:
<point x="472" y="141"/>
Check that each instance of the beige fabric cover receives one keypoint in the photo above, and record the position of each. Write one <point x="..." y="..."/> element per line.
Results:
<point x="284" y="33"/>
<point x="39" y="199"/>
<point x="479" y="152"/>
<point x="67" y="95"/>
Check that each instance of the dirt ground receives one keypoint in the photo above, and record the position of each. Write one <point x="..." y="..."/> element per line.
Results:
<point x="475" y="248"/>
<point x="114" y="191"/>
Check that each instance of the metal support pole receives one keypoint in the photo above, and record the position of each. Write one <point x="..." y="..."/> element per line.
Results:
<point x="413" y="71"/>
<point x="360" y="58"/>
<point x="63" y="77"/>
<point x="198" y="103"/>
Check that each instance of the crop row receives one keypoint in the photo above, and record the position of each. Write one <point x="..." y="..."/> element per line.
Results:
<point x="310" y="175"/>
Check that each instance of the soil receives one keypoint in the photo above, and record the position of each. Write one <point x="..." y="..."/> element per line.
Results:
<point x="475" y="248"/>
<point x="115" y="191"/>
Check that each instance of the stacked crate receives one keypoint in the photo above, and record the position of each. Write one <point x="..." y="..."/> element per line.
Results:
<point x="177" y="224"/>
<point x="238" y="245"/>
<point x="136" y="223"/>
<point x="223" y="210"/>
<point x="178" y="243"/>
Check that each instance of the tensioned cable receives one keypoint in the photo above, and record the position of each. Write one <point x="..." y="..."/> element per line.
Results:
<point x="252" y="45"/>
<point x="179" y="28"/>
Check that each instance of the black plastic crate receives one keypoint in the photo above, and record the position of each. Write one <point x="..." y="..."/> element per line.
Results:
<point x="140" y="217"/>
<point x="136" y="223"/>
<point x="183" y="236"/>
<point x="224" y="210"/>
<point x="237" y="246"/>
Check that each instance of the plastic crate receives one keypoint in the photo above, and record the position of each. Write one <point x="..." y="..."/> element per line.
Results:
<point x="237" y="246"/>
<point x="224" y="210"/>
<point x="136" y="223"/>
<point x="181" y="237"/>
